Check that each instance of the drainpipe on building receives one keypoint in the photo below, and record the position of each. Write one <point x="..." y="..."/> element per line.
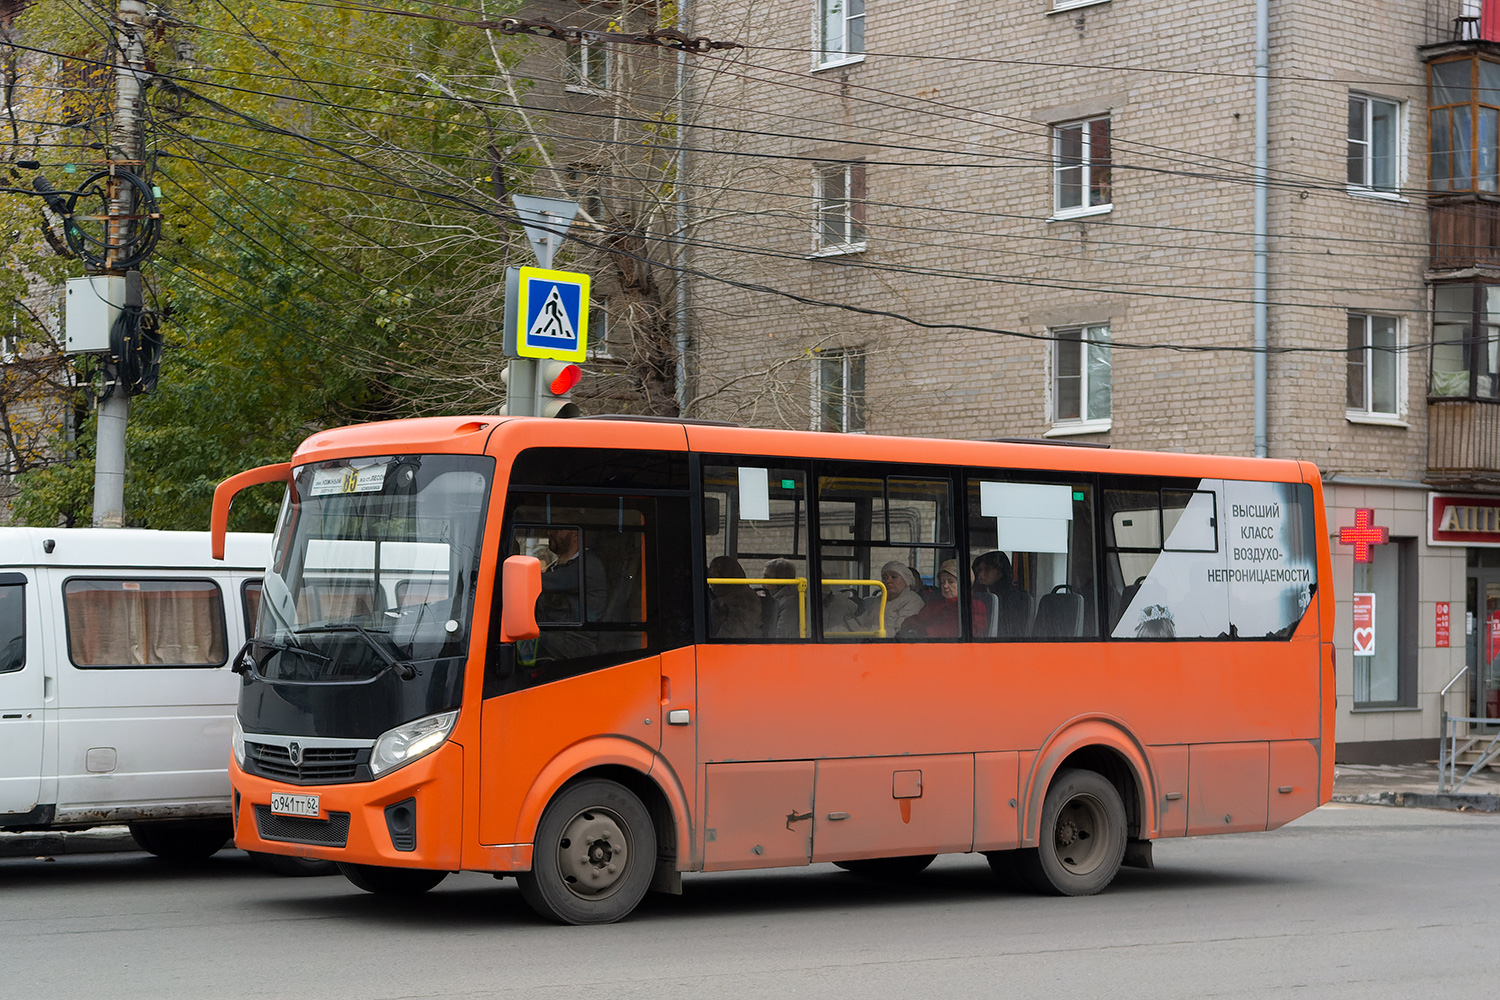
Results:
<point x="1262" y="156"/>
<point x="683" y="395"/>
<point x="1262" y="109"/>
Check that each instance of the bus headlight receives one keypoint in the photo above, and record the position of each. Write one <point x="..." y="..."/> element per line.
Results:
<point x="237" y="742"/>
<point x="407" y="742"/>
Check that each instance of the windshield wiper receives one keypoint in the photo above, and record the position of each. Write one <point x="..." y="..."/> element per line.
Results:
<point x="404" y="670"/>
<point x="243" y="660"/>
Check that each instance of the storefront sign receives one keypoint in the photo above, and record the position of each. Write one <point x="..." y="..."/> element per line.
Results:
<point x="1364" y="624"/>
<point x="1442" y="623"/>
<point x="1462" y="520"/>
<point x="1363" y="534"/>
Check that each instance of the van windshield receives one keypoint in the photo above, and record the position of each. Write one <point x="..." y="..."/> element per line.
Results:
<point x="374" y="567"/>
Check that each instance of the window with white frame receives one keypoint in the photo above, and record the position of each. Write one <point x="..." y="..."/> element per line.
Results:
<point x="1374" y="144"/>
<point x="1374" y="366"/>
<point x="588" y="65"/>
<point x="839" y="195"/>
<point x="1081" y="167"/>
<point x="841" y="32"/>
<point x="839" y="390"/>
<point x="602" y="333"/>
<point x="1081" y="377"/>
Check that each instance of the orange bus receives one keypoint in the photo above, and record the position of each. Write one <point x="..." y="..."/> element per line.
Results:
<point x="595" y="654"/>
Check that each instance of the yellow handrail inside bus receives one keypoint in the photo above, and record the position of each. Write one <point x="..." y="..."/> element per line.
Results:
<point x="782" y="581"/>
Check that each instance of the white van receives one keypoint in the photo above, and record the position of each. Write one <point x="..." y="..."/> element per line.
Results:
<point x="116" y="698"/>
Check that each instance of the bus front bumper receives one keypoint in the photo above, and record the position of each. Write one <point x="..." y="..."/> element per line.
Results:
<point x="409" y="818"/>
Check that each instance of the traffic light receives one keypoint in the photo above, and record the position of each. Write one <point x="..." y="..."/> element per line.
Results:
<point x="554" y="380"/>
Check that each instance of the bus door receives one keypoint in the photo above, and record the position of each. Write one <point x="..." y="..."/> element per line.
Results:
<point x="22" y="686"/>
<point x="595" y="678"/>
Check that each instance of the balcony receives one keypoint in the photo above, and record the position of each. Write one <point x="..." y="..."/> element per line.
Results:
<point x="1464" y="231"/>
<point x="1463" y="444"/>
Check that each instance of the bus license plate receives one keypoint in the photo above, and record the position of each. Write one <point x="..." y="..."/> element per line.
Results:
<point x="286" y="804"/>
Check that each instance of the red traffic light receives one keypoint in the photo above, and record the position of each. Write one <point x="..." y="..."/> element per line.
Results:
<point x="562" y="379"/>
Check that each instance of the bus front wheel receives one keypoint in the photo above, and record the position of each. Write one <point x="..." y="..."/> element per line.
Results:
<point x="595" y="855"/>
<point x="385" y="881"/>
<point x="1082" y="838"/>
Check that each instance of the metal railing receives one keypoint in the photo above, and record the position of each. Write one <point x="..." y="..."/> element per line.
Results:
<point x="1454" y="746"/>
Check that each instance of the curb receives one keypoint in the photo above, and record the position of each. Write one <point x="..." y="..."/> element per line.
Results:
<point x="101" y="840"/>
<point x="1458" y="801"/>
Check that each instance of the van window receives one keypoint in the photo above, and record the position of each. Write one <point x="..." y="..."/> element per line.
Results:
<point x="12" y="626"/>
<point x="251" y="598"/>
<point x="144" y="623"/>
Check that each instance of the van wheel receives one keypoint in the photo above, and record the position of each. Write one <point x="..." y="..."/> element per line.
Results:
<point x="385" y="881"/>
<point x="285" y="864"/>
<point x="1082" y="837"/>
<point x="182" y="841"/>
<point x="595" y="855"/>
<point x="888" y="868"/>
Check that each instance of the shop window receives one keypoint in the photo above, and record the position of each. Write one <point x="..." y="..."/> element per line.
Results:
<point x="1385" y="620"/>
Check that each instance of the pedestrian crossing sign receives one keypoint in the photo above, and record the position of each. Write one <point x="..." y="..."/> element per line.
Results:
<point x="549" y="314"/>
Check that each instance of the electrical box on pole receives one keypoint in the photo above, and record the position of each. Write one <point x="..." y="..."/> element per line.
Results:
<point x="93" y="305"/>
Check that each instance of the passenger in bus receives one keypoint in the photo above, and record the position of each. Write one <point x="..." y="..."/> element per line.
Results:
<point x="734" y="609"/>
<point x="568" y="599"/>
<point x="939" y="619"/>
<point x="902" y="600"/>
<point x="993" y="575"/>
<point x="783" y="618"/>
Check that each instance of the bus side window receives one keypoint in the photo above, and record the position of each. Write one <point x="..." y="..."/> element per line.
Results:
<point x="885" y="546"/>
<point x="12" y="627"/>
<point x="1031" y="553"/>
<point x="755" y="540"/>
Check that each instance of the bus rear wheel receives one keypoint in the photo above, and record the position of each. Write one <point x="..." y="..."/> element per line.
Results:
<point x="1082" y="838"/>
<point x="385" y="881"/>
<point x="182" y="841"/>
<point x="888" y="868"/>
<point x="595" y="855"/>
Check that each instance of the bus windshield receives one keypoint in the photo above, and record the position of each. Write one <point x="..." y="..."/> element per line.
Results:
<point x="374" y="567"/>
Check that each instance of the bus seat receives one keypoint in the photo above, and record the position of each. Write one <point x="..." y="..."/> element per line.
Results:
<point x="1059" y="614"/>
<point x="1015" y="613"/>
<point x="991" y="613"/>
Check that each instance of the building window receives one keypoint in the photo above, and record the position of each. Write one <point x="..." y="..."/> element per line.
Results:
<point x="1081" y="377"/>
<point x="839" y="193"/>
<point x="1374" y="144"/>
<point x="1463" y="96"/>
<point x="588" y="66"/>
<point x="841" y="32"/>
<point x="1081" y="167"/>
<point x="1374" y="366"/>
<point x="1385" y="603"/>
<point x="839" y="390"/>
<point x="1466" y="342"/>
<point x="602" y="333"/>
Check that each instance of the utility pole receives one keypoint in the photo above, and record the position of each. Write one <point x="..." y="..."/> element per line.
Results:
<point x="125" y="150"/>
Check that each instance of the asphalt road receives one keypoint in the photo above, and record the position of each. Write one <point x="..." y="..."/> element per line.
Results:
<point x="1352" y="901"/>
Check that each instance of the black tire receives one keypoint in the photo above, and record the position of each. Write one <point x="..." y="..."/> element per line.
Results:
<point x="285" y="864"/>
<point x="391" y="881"/>
<point x="182" y="841"/>
<point x="906" y="866"/>
<point x="1082" y="837"/>
<point x="595" y="855"/>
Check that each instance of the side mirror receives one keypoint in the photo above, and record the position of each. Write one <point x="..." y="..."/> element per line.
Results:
<point x="224" y="495"/>
<point x="520" y="586"/>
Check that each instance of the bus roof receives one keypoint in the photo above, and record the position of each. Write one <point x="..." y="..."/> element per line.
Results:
<point x="472" y="435"/>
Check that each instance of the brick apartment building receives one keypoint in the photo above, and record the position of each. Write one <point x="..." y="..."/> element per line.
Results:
<point x="1036" y="218"/>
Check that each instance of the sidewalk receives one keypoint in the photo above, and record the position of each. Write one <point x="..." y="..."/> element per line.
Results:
<point x="1413" y="785"/>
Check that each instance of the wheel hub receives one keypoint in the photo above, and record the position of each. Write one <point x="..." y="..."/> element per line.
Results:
<point x="592" y="853"/>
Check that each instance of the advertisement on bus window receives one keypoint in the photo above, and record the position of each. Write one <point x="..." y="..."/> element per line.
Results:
<point x="1229" y="559"/>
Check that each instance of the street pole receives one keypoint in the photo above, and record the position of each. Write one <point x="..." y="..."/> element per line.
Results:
<point x="124" y="150"/>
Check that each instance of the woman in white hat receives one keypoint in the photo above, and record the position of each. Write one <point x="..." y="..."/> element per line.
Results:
<point x="901" y="601"/>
